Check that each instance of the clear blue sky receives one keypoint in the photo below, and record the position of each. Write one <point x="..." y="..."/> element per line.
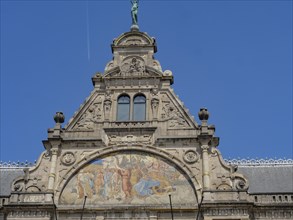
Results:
<point x="233" y="57"/>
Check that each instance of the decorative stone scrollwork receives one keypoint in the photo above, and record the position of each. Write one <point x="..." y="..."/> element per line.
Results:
<point x="174" y="117"/>
<point x="191" y="156"/>
<point x="92" y="115"/>
<point x="47" y="155"/>
<point x="86" y="121"/>
<point x="157" y="65"/>
<point x="18" y="187"/>
<point x="68" y="158"/>
<point x="109" y="66"/>
<point x="241" y="184"/>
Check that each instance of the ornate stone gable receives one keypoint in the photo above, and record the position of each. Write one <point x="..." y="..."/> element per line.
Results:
<point x="130" y="150"/>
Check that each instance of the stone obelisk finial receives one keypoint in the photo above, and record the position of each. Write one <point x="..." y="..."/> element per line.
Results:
<point x="134" y="12"/>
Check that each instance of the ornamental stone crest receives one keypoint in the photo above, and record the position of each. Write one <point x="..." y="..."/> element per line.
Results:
<point x="190" y="156"/>
<point x="68" y="158"/>
<point x="133" y="66"/>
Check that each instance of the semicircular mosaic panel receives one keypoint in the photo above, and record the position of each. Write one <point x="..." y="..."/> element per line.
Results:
<point x="128" y="178"/>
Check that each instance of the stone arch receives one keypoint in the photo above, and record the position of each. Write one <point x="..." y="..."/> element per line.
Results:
<point x="136" y="39"/>
<point x="104" y="153"/>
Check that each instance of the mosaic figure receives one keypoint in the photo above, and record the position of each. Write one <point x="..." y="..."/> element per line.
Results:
<point x="128" y="177"/>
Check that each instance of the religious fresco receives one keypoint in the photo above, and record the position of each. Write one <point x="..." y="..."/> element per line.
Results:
<point x="128" y="178"/>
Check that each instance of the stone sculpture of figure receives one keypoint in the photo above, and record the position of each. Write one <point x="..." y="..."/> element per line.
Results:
<point x="134" y="10"/>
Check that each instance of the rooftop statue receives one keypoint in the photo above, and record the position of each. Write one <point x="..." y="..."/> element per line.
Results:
<point x="134" y="11"/>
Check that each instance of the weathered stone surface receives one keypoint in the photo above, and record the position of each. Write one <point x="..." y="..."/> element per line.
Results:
<point x="130" y="169"/>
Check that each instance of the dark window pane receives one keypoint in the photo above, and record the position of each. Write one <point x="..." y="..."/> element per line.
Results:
<point x="139" y="108"/>
<point x="123" y="108"/>
<point x="124" y="99"/>
<point x="139" y="99"/>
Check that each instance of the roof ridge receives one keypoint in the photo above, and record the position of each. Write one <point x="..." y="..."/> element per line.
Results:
<point x="260" y="162"/>
<point x="18" y="164"/>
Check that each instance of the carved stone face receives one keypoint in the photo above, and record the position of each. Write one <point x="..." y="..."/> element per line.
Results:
<point x="107" y="104"/>
<point x="155" y="91"/>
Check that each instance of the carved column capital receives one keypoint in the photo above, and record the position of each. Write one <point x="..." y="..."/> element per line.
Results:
<point x="55" y="151"/>
<point x="205" y="147"/>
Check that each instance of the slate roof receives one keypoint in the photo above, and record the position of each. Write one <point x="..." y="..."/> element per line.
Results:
<point x="269" y="178"/>
<point x="7" y="175"/>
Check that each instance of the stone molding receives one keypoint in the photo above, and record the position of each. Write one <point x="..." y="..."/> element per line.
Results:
<point x="273" y="214"/>
<point x="226" y="212"/>
<point x="29" y="214"/>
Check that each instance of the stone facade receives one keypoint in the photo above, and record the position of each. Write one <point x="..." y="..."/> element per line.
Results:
<point x="101" y="167"/>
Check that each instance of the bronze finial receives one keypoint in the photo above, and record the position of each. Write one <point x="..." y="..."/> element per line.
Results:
<point x="134" y="12"/>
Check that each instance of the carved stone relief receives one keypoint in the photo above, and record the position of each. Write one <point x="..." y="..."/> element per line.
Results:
<point x="133" y="66"/>
<point x="223" y="182"/>
<point x="86" y="120"/>
<point x="33" y="189"/>
<point x="34" y="178"/>
<point x="129" y="139"/>
<point x="107" y="108"/>
<point x="171" y="114"/>
<point x="92" y="115"/>
<point x="68" y="158"/>
<point x="191" y="156"/>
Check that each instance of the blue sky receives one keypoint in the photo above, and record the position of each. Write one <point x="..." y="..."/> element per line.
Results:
<point x="233" y="57"/>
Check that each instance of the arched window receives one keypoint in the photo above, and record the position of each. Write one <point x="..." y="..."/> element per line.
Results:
<point x="139" y="108"/>
<point x="123" y="108"/>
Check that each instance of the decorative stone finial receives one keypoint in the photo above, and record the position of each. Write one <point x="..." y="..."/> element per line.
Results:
<point x="59" y="117"/>
<point x="203" y="114"/>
